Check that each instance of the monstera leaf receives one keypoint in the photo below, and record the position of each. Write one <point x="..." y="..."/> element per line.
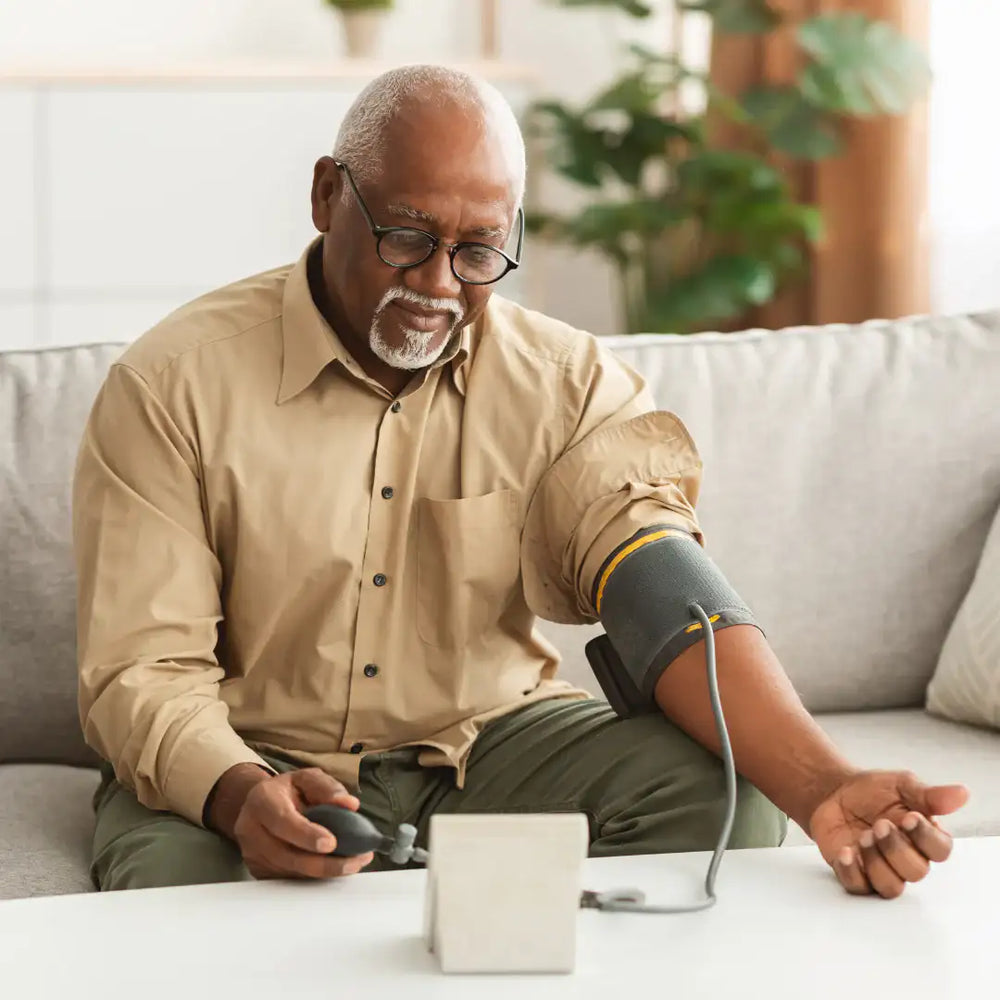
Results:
<point x="793" y="125"/>
<point x="860" y="66"/>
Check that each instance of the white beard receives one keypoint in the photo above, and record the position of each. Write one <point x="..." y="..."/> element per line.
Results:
<point x="416" y="351"/>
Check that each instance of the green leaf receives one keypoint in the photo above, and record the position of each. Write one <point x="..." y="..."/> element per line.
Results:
<point x="713" y="173"/>
<point x="724" y="288"/>
<point x="633" y="7"/>
<point x="604" y="223"/>
<point x="787" y="259"/>
<point x="545" y="225"/>
<point x="860" y="66"/>
<point x="791" y="123"/>
<point x="763" y="222"/>
<point x="577" y="231"/>
<point x="646" y="139"/>
<point x="633" y="93"/>
<point x="737" y="17"/>
<point x="576" y="150"/>
<point x="653" y="132"/>
<point x="362" y="4"/>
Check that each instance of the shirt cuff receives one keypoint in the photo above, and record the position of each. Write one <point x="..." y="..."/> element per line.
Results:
<point x="197" y="766"/>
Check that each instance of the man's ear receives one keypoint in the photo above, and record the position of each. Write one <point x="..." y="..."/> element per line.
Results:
<point x="326" y="189"/>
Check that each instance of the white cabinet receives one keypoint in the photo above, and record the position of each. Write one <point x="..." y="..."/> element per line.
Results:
<point x="114" y="316"/>
<point x="155" y="190"/>
<point x="18" y="145"/>
<point x="122" y="198"/>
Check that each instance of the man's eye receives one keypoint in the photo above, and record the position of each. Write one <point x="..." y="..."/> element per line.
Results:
<point x="409" y="238"/>
<point x="479" y="255"/>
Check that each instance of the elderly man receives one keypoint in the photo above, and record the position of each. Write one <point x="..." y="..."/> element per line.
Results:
<point x="318" y="511"/>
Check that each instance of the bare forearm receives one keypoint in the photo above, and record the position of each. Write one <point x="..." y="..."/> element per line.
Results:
<point x="776" y="743"/>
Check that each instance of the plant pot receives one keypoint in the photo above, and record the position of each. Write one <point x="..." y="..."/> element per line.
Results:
<point x="362" y="31"/>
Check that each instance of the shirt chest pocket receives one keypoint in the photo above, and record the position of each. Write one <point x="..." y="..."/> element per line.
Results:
<point x="467" y="566"/>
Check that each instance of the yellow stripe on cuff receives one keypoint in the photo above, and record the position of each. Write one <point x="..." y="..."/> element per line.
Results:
<point x="626" y="552"/>
<point x="697" y="625"/>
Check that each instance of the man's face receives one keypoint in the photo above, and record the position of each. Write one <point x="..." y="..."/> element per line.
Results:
<point x="439" y="175"/>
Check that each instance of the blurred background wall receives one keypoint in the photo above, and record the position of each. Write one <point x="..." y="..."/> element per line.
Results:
<point x="964" y="155"/>
<point x="543" y="50"/>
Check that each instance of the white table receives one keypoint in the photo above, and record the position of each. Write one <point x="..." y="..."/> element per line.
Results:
<point x="782" y="928"/>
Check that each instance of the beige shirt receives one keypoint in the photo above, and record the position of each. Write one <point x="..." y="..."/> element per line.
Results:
<point x="275" y="555"/>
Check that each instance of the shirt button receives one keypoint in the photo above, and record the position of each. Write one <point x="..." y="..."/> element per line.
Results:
<point x="379" y="580"/>
<point x="387" y="492"/>
<point x="370" y="670"/>
<point x="357" y="747"/>
<point x="396" y="407"/>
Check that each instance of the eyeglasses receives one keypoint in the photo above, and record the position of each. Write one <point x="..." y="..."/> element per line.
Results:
<point x="403" y="246"/>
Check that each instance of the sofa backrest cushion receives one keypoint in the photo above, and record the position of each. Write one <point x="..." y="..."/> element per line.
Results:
<point x="45" y="397"/>
<point x="851" y="476"/>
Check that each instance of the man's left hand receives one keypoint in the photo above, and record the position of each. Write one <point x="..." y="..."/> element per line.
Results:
<point x="877" y="830"/>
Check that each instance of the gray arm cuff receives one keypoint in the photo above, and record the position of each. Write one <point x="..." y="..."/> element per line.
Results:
<point x="644" y="604"/>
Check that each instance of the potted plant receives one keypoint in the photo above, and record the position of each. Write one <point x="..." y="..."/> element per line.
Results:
<point x="362" y="21"/>
<point x="700" y="233"/>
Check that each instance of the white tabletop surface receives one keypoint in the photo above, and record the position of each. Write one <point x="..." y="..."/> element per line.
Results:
<point x="782" y="928"/>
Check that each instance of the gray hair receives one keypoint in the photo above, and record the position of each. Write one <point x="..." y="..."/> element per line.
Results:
<point x="361" y="139"/>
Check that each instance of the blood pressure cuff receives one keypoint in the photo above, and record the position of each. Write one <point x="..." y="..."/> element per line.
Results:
<point x="642" y="595"/>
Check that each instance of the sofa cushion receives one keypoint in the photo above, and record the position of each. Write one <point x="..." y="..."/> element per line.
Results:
<point x="966" y="684"/>
<point x="45" y="397"/>
<point x="851" y="475"/>
<point x="46" y="829"/>
<point x="939" y="752"/>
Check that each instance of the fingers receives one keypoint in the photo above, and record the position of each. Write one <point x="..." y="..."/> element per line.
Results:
<point x="848" y="870"/>
<point x="883" y="878"/>
<point x="268" y="857"/>
<point x="889" y="856"/>
<point x="279" y="815"/>
<point x="277" y="841"/>
<point x="905" y="859"/>
<point x="317" y="787"/>
<point x="927" y="837"/>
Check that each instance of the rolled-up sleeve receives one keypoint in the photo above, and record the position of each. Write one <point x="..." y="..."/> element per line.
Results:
<point x="148" y="604"/>
<point x="626" y="466"/>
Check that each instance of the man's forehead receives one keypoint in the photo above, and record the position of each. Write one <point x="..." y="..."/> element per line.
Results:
<point x="447" y="149"/>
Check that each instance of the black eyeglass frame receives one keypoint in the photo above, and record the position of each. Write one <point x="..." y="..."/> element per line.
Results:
<point x="434" y="241"/>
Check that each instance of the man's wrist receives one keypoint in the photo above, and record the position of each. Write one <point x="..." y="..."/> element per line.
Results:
<point x="816" y="789"/>
<point x="226" y="799"/>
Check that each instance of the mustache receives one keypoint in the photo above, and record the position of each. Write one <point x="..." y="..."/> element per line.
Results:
<point x="452" y="306"/>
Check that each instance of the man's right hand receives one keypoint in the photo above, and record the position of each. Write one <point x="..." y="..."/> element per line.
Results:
<point x="263" y="813"/>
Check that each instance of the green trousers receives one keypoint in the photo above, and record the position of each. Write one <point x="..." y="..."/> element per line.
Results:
<point x="644" y="786"/>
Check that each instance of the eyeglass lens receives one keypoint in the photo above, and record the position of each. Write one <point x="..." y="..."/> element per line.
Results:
<point x="407" y="247"/>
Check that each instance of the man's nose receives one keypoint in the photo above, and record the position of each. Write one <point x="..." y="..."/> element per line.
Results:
<point x="434" y="277"/>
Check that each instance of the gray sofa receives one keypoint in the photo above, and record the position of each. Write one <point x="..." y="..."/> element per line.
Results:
<point x="851" y="476"/>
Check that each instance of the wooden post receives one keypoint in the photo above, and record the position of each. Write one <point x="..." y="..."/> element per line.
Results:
<point x="489" y="30"/>
<point x="874" y="259"/>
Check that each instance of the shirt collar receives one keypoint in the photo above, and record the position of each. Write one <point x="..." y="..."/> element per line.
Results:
<point x="309" y="344"/>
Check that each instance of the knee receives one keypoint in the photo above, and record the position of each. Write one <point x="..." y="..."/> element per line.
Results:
<point x="148" y="860"/>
